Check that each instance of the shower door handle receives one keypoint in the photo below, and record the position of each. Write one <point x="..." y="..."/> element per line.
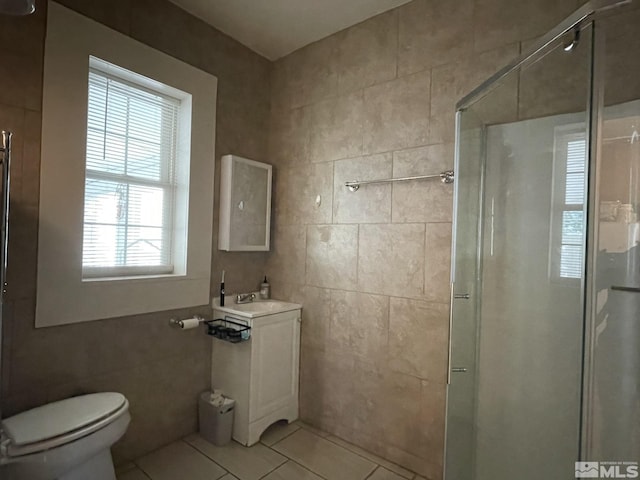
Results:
<point x="458" y="370"/>
<point x="450" y="339"/>
<point x="621" y="288"/>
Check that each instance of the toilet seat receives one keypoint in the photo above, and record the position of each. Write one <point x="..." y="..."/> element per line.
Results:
<point x="61" y="422"/>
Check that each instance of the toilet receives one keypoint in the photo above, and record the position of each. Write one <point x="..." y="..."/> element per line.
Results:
<point x="65" y="440"/>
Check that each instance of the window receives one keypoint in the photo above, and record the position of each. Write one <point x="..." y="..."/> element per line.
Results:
<point x="569" y="209"/>
<point x="129" y="179"/>
<point x="126" y="178"/>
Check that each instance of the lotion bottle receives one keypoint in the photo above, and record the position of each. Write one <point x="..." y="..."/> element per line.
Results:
<point x="265" y="289"/>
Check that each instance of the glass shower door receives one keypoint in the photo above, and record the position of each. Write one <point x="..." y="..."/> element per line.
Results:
<point x="613" y="408"/>
<point x="514" y="397"/>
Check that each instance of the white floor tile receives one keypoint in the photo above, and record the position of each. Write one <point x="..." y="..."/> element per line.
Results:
<point x="245" y="463"/>
<point x="323" y="457"/>
<point x="292" y="471"/>
<point x="179" y="461"/>
<point x="132" y="474"/>
<point x="403" y="472"/>
<point x="306" y="426"/>
<point x="384" y="474"/>
<point x="277" y="432"/>
<point x="124" y="467"/>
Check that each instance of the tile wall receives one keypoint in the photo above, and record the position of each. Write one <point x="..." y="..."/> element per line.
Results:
<point x="160" y="370"/>
<point x="372" y="268"/>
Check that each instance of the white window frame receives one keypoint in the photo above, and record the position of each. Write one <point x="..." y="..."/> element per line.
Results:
<point x="171" y="184"/>
<point x="562" y="136"/>
<point x="63" y="296"/>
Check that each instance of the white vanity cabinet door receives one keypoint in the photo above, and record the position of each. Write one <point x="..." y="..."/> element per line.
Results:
<point x="261" y="375"/>
<point x="275" y="354"/>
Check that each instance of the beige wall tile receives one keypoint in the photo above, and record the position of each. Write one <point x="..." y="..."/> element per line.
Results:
<point x="454" y="80"/>
<point x="296" y="194"/>
<point x="22" y="80"/>
<point x="622" y="76"/>
<point x="382" y="392"/>
<point x="360" y="324"/>
<point x="556" y="84"/>
<point x="397" y="431"/>
<point x="442" y="128"/>
<point x="288" y="139"/>
<point x="138" y="355"/>
<point x="116" y="14"/>
<point x="496" y="23"/>
<point x="433" y="33"/>
<point x="286" y="263"/>
<point x="368" y="391"/>
<point x="178" y="380"/>
<point x="367" y="52"/>
<point x="314" y="331"/>
<point x="25" y="34"/>
<point x="335" y="128"/>
<point x="310" y="74"/>
<point x="244" y="271"/>
<point x="422" y="200"/>
<point x="397" y="113"/>
<point x="332" y="256"/>
<point x="30" y="172"/>
<point x="391" y="259"/>
<point x="343" y="308"/>
<point x="418" y="338"/>
<point x="437" y="262"/>
<point x="371" y="203"/>
<point x="326" y="388"/>
<point x="432" y="420"/>
<point x="168" y="28"/>
<point x="542" y="15"/>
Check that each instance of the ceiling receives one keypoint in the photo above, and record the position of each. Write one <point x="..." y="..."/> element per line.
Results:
<point x="275" y="28"/>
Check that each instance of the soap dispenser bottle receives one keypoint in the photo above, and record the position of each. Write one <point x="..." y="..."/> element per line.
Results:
<point x="265" y="289"/>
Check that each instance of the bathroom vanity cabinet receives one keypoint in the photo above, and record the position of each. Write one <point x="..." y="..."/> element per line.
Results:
<point x="260" y="374"/>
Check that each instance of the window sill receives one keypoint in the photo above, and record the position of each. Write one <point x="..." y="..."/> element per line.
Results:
<point x="154" y="276"/>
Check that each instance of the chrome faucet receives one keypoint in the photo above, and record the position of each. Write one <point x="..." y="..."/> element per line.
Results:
<point x="245" y="297"/>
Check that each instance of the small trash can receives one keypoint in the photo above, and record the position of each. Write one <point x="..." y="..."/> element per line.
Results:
<point x="216" y="420"/>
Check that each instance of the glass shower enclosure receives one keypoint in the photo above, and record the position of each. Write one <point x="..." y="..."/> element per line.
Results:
<point x="544" y="363"/>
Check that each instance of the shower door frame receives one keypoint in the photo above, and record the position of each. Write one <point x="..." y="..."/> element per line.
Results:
<point x="584" y="15"/>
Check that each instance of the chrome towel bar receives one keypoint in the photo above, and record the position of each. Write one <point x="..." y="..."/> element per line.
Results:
<point x="445" y="177"/>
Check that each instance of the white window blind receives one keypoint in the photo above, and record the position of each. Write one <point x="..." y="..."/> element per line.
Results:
<point x="130" y="178"/>
<point x="572" y="229"/>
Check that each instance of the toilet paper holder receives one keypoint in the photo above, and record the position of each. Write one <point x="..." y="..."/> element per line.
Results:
<point x="176" y="323"/>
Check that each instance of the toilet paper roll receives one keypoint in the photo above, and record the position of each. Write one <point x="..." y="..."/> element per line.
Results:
<point x="189" y="323"/>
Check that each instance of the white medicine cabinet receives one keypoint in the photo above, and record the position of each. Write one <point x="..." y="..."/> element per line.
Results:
<point x="245" y="205"/>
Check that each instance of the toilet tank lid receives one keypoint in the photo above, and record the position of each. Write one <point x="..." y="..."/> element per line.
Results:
<point x="57" y="418"/>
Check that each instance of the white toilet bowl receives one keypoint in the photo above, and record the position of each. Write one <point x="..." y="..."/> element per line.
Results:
<point x="65" y="440"/>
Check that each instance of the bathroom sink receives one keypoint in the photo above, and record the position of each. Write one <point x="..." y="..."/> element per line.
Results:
<point x="257" y="308"/>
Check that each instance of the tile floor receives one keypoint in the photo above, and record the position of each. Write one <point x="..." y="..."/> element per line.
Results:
<point x="285" y="452"/>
